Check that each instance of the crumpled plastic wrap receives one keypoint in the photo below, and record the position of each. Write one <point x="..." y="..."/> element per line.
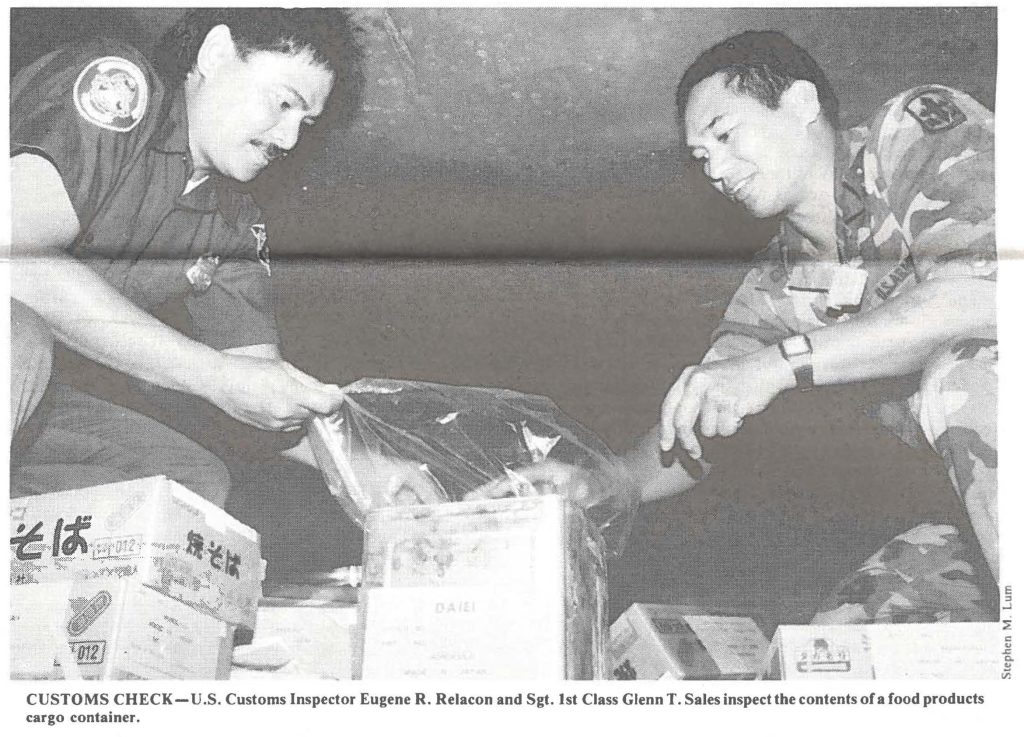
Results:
<point x="456" y="440"/>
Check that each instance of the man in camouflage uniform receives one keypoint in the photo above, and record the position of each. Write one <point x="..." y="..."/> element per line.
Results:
<point x="884" y="266"/>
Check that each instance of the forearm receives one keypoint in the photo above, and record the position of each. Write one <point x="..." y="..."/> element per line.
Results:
<point x="94" y="319"/>
<point x="892" y="340"/>
<point x="659" y="474"/>
<point x="268" y="351"/>
<point x="897" y="338"/>
<point x="85" y="312"/>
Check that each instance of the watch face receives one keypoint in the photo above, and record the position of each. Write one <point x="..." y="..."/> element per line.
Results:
<point x="798" y="345"/>
<point x="797" y="352"/>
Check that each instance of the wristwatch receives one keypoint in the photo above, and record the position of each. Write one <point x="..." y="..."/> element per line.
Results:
<point x="797" y="351"/>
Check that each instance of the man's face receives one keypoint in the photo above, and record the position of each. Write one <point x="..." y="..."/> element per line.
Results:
<point x="753" y="155"/>
<point x="249" y="112"/>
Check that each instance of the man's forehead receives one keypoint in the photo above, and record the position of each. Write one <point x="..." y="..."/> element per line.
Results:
<point x="710" y="99"/>
<point x="300" y="71"/>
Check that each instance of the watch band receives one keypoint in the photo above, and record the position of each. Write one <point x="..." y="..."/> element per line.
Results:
<point x="797" y="351"/>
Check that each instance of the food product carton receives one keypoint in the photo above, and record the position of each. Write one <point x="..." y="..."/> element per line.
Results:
<point x="150" y="530"/>
<point x="111" y="630"/>
<point x="299" y="641"/>
<point x="965" y="650"/>
<point x="510" y="589"/>
<point x="653" y="641"/>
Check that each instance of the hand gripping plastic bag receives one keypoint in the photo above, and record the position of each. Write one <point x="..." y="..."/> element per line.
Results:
<point x="410" y="442"/>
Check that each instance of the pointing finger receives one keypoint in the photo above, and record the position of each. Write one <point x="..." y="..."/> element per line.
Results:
<point x="668" y="409"/>
<point x="686" y="416"/>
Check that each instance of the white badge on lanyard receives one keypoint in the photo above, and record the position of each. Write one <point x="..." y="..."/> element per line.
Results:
<point x="847" y="289"/>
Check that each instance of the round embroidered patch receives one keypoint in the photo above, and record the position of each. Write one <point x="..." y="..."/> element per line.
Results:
<point x="112" y="93"/>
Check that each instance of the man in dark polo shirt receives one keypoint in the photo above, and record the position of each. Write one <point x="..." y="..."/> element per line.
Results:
<point x="120" y="202"/>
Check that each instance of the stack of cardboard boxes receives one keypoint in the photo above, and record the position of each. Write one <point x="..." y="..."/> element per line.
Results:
<point x="139" y="579"/>
<point x="144" y="579"/>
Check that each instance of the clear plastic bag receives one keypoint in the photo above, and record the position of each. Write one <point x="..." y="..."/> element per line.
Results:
<point x="408" y="442"/>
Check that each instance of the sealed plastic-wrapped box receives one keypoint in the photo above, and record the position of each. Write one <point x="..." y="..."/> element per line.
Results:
<point x="151" y="530"/>
<point x="401" y="442"/>
<point x="500" y="589"/>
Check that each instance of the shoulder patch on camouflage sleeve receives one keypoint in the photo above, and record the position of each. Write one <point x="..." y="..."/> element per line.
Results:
<point x="112" y="93"/>
<point x="935" y="111"/>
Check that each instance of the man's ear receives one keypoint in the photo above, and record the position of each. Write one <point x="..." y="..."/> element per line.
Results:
<point x="218" y="47"/>
<point x="801" y="98"/>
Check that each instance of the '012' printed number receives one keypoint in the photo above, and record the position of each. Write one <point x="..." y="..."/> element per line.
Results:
<point x="117" y="547"/>
<point x="89" y="652"/>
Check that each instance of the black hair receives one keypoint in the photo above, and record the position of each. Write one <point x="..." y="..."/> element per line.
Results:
<point x="763" y="65"/>
<point x="327" y="34"/>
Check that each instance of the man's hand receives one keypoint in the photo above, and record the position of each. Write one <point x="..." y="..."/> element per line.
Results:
<point x="400" y="483"/>
<point x="270" y="393"/>
<point x="388" y="481"/>
<point x="719" y="395"/>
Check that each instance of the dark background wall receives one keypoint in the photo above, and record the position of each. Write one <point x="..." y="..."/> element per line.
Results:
<point x="521" y="168"/>
<point x="549" y="132"/>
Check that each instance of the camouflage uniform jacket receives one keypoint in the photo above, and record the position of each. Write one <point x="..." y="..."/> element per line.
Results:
<point x="914" y="201"/>
<point x="914" y="193"/>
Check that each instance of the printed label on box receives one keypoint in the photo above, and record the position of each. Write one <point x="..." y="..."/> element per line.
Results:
<point x="459" y="632"/>
<point x="128" y="546"/>
<point x="89" y="652"/>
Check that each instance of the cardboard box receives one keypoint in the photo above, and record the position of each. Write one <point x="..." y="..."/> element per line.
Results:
<point x="653" y="641"/>
<point x="960" y="650"/>
<point x="314" y="642"/>
<point x="111" y="630"/>
<point x="151" y="530"/>
<point x="509" y="589"/>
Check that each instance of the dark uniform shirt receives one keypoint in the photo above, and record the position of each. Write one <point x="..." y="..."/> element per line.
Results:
<point x="101" y="115"/>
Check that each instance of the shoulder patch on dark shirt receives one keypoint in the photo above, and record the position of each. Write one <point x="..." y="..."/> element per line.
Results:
<point x="935" y="111"/>
<point x="111" y="92"/>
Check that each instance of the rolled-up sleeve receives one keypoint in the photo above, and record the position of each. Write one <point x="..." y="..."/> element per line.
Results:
<point x="47" y="121"/>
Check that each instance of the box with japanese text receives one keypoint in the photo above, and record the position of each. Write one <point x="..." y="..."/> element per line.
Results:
<point x="151" y="530"/>
<point x="964" y="650"/>
<point x="113" y="630"/>
<point x="653" y="641"/>
<point x="500" y="589"/>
